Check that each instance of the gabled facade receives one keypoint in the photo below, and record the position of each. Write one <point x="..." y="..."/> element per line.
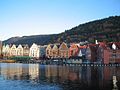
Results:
<point x="49" y="51"/>
<point x="55" y="51"/>
<point x="64" y="51"/>
<point x="26" y="50"/>
<point x="13" y="50"/>
<point x="6" y="50"/>
<point x="74" y="50"/>
<point x="34" y="51"/>
<point x="20" y="50"/>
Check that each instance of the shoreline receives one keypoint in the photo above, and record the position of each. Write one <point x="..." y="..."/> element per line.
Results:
<point x="48" y="62"/>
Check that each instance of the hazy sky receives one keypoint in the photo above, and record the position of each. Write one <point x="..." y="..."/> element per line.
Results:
<point x="34" y="17"/>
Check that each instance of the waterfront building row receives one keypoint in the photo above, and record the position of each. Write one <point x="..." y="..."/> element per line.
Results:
<point x="100" y="52"/>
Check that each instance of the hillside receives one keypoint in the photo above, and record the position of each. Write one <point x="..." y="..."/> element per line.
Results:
<point x="38" y="39"/>
<point x="107" y="29"/>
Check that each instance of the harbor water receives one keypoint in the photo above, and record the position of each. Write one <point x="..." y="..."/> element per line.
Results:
<point x="18" y="76"/>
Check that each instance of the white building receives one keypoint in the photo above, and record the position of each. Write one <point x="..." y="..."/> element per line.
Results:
<point x="34" y="51"/>
<point x="20" y="50"/>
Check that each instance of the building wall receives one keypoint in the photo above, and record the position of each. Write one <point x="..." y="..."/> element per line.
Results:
<point x="106" y="57"/>
<point x="114" y="56"/>
<point x="19" y="50"/>
<point x="13" y="50"/>
<point x="49" y="51"/>
<point x="74" y="50"/>
<point x="6" y="51"/>
<point x="26" y="50"/>
<point x="88" y="54"/>
<point x="100" y="54"/>
<point x="55" y="52"/>
<point x="63" y="51"/>
<point x="34" y="51"/>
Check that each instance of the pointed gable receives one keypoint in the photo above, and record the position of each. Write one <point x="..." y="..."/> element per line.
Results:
<point x="19" y="50"/>
<point x="19" y="46"/>
<point x="26" y="46"/>
<point x="74" y="49"/>
<point x="48" y="47"/>
<point x="55" y="47"/>
<point x="13" y="50"/>
<point x="13" y="46"/>
<point x="64" y="50"/>
<point x="63" y="46"/>
<point x="34" y="51"/>
<point x="26" y="50"/>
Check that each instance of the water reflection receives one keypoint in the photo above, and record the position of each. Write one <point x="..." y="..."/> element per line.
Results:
<point x="34" y="76"/>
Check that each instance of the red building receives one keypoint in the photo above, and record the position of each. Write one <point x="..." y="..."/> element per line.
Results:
<point x="74" y="50"/>
<point x="114" y="52"/>
<point x="102" y="53"/>
<point x="108" y="53"/>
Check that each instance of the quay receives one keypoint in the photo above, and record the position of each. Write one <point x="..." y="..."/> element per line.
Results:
<point x="65" y="62"/>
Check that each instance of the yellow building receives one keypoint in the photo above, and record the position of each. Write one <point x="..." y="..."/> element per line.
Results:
<point x="49" y="51"/>
<point x="13" y="50"/>
<point x="55" y="51"/>
<point x="64" y="51"/>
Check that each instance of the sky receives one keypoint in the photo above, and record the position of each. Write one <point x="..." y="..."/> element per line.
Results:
<point x="35" y="17"/>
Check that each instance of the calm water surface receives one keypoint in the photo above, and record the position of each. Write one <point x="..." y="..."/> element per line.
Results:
<point x="15" y="76"/>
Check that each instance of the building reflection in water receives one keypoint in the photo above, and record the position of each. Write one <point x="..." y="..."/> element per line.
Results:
<point x="67" y="76"/>
<point x="11" y="71"/>
<point x="34" y="72"/>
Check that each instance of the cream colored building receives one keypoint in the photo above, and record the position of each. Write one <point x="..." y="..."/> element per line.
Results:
<point x="13" y="50"/>
<point x="49" y="51"/>
<point x="26" y="50"/>
<point x="6" y="50"/>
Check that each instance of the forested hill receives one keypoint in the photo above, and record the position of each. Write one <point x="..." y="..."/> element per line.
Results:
<point x="107" y="29"/>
